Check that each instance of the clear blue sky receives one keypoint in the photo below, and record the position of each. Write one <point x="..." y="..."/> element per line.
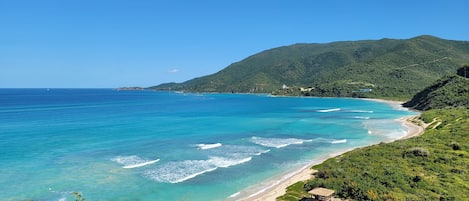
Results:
<point x="112" y="43"/>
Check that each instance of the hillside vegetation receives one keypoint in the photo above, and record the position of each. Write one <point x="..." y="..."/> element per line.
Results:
<point x="433" y="166"/>
<point x="389" y="67"/>
<point x="449" y="91"/>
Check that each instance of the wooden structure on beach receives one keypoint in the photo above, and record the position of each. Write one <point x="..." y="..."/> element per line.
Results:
<point x="322" y="194"/>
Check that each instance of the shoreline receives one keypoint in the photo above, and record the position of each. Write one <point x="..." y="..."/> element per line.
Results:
<point x="279" y="186"/>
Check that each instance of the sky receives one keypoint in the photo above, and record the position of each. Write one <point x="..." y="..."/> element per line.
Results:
<point x="116" y="43"/>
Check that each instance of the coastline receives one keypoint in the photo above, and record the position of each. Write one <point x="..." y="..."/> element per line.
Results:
<point x="279" y="187"/>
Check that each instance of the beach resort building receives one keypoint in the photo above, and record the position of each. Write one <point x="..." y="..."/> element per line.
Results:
<point x="322" y="194"/>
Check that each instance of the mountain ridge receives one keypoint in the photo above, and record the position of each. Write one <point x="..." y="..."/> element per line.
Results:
<point x="389" y="67"/>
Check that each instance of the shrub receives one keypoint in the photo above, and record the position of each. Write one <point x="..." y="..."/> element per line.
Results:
<point x="417" y="151"/>
<point x="455" y="146"/>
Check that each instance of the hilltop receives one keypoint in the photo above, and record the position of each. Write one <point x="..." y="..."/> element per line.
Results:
<point x="448" y="92"/>
<point x="386" y="68"/>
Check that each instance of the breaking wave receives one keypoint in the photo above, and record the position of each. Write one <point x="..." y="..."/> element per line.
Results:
<point x="209" y="146"/>
<point x="133" y="161"/>
<point x="179" y="171"/>
<point x="175" y="172"/>
<point x="234" y="194"/>
<point x="362" y="111"/>
<point x="329" y="110"/>
<point x="221" y="157"/>
<point x="277" y="142"/>
<point x="339" y="141"/>
<point x="360" y="117"/>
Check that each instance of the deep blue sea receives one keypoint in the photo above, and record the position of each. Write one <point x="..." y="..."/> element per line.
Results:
<point x="146" y="145"/>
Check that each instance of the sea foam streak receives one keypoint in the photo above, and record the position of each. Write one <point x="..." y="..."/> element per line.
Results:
<point x="339" y="141"/>
<point x="362" y="111"/>
<point x="133" y="161"/>
<point x="226" y="162"/>
<point x="329" y="110"/>
<point x="236" y="151"/>
<point x="234" y="194"/>
<point x="360" y="117"/>
<point x="209" y="146"/>
<point x="277" y="142"/>
<point x="141" y="164"/>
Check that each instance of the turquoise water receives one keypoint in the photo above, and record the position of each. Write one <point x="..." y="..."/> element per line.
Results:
<point x="144" y="145"/>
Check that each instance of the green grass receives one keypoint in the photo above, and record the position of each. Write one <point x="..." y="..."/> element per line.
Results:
<point x="296" y="192"/>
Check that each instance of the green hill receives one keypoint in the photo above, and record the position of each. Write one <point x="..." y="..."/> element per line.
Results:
<point x="381" y="68"/>
<point x="450" y="91"/>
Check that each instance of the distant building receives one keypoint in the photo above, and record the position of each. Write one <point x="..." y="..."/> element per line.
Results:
<point x="366" y="90"/>
<point x="322" y="194"/>
<point x="306" y="89"/>
<point x="284" y="86"/>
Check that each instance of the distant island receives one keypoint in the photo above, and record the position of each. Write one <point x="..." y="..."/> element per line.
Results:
<point x="130" y="88"/>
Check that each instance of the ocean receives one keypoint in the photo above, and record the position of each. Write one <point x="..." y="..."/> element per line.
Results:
<point x="147" y="145"/>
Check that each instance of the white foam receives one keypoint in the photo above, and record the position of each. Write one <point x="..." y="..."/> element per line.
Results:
<point x="222" y="157"/>
<point x="339" y="141"/>
<point x="359" y="117"/>
<point x="234" y="194"/>
<point x="193" y="175"/>
<point x="262" y="152"/>
<point x="141" y="164"/>
<point x="236" y="151"/>
<point x="329" y="110"/>
<point x="277" y="142"/>
<point x="179" y="171"/>
<point x="226" y="162"/>
<point x="362" y="111"/>
<point x="209" y="146"/>
<point x="133" y="161"/>
<point x="390" y="129"/>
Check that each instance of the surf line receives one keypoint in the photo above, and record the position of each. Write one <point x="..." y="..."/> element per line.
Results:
<point x="209" y="146"/>
<point x="141" y="164"/>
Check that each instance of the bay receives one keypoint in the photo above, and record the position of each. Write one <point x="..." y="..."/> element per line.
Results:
<point x="147" y="145"/>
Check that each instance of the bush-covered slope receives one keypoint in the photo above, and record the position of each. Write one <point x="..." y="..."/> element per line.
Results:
<point x="391" y="68"/>
<point x="433" y="166"/>
<point x="450" y="91"/>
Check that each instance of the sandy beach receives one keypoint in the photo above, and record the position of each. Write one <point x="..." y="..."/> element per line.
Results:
<point x="278" y="188"/>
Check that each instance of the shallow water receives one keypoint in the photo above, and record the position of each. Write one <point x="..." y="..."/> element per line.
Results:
<point x="144" y="145"/>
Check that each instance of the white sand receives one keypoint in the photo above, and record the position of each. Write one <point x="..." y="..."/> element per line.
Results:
<point x="279" y="187"/>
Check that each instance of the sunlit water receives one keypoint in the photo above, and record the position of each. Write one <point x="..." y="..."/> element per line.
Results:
<point x="145" y="145"/>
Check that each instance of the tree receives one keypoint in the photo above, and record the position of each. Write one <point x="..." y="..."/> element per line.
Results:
<point x="463" y="71"/>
